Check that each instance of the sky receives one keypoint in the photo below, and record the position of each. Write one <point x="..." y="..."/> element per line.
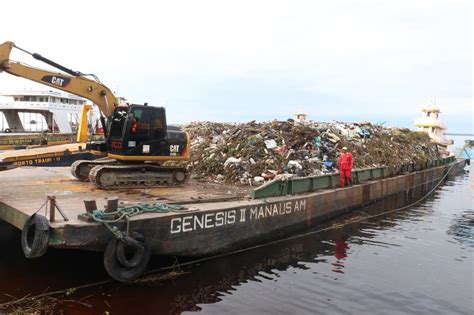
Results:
<point x="366" y="60"/>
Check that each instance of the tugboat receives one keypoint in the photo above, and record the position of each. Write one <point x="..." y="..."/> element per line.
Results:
<point x="432" y="125"/>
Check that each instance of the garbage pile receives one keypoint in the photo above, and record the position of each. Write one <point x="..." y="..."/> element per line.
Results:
<point x="251" y="153"/>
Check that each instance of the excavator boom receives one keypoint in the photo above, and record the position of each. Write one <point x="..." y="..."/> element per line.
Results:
<point x="79" y="85"/>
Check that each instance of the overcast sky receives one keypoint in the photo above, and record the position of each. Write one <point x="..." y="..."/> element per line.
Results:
<point x="238" y="61"/>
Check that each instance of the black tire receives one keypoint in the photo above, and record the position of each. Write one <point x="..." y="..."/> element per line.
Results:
<point x="135" y="247"/>
<point x="7" y="130"/>
<point x="118" y="265"/>
<point x="35" y="236"/>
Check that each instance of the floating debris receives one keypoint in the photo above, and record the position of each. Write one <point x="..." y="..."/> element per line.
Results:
<point x="40" y="305"/>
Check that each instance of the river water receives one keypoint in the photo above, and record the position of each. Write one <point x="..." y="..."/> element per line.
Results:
<point x="414" y="261"/>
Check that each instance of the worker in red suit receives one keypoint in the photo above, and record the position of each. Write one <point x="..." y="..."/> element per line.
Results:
<point x="345" y="164"/>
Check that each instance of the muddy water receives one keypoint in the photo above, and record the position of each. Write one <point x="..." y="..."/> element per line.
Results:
<point x="415" y="261"/>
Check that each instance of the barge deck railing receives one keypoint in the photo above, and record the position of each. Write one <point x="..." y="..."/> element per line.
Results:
<point x="291" y="186"/>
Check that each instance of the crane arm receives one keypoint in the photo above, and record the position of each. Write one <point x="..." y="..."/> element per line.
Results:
<point x="76" y="83"/>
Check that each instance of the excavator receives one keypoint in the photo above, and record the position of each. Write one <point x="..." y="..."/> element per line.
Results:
<point x="137" y="142"/>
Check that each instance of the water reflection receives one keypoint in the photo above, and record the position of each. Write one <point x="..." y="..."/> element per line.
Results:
<point x="340" y="254"/>
<point x="462" y="228"/>
<point x="330" y="248"/>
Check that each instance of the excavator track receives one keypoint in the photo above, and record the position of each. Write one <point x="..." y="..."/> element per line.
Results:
<point x="136" y="176"/>
<point x="80" y="169"/>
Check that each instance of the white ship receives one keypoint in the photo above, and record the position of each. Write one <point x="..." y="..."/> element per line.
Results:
<point x="431" y="124"/>
<point x="39" y="111"/>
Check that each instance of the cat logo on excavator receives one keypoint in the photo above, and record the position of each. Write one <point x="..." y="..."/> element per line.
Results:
<point x="56" y="80"/>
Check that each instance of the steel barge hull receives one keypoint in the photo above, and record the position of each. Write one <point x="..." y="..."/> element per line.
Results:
<point x="215" y="218"/>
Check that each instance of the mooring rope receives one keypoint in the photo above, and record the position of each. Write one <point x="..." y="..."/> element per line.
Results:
<point x="174" y="266"/>
<point x="124" y="214"/>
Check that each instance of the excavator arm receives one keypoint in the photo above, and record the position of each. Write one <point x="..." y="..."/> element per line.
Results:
<point x="73" y="82"/>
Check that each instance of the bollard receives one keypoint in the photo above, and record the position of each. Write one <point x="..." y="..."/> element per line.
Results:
<point x="90" y="205"/>
<point x="52" y="208"/>
<point x="112" y="204"/>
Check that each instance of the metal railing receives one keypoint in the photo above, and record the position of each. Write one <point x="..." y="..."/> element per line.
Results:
<point x="292" y="186"/>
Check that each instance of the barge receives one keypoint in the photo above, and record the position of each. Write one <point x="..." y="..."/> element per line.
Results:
<point x="16" y="141"/>
<point x="197" y="219"/>
<point x="56" y="155"/>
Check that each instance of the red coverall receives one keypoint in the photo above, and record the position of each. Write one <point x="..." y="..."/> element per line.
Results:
<point x="345" y="164"/>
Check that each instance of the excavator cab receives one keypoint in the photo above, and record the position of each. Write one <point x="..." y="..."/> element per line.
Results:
<point x="140" y="132"/>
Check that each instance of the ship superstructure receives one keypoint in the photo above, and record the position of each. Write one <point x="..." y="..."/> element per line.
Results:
<point x="431" y="124"/>
<point x="40" y="111"/>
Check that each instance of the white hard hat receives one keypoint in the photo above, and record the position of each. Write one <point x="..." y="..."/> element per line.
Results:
<point x="344" y="148"/>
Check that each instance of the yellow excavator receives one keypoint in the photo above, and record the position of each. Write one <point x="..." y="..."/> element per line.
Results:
<point x="137" y="139"/>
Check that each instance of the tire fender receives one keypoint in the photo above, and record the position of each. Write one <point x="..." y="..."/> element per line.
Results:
<point x="35" y="236"/>
<point x="132" y="245"/>
<point x="116" y="262"/>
